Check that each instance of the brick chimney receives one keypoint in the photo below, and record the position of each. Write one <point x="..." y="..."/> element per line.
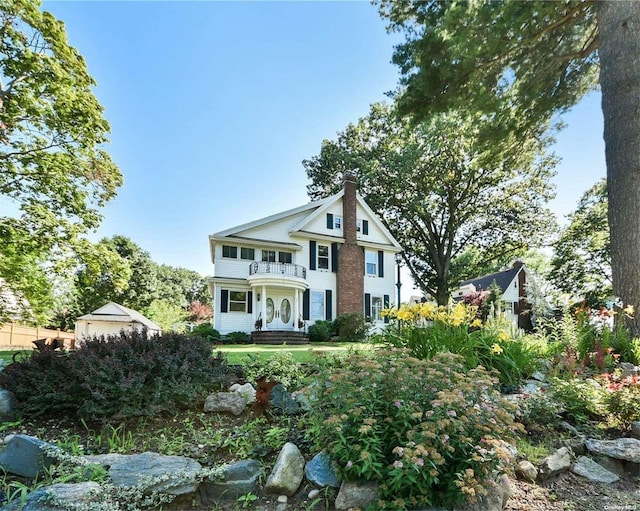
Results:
<point x="350" y="276"/>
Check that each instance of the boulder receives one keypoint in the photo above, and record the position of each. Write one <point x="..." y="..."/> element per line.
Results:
<point x="247" y="392"/>
<point x="576" y="444"/>
<point x="281" y="401"/>
<point x="628" y="369"/>
<point x="58" y="497"/>
<point x="27" y="456"/>
<point x="613" y="465"/>
<point x="226" y="402"/>
<point x="556" y="463"/>
<point x="237" y="479"/>
<point x="588" y="468"/>
<point x="320" y="472"/>
<point x="287" y="473"/>
<point x="627" y="449"/>
<point x="355" y="495"/>
<point x="635" y="429"/>
<point x="526" y="471"/>
<point x="498" y="493"/>
<point x="175" y="475"/>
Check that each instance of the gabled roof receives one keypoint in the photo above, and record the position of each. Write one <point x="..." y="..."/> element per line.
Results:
<point x="502" y="278"/>
<point x="315" y="209"/>
<point x="114" y="312"/>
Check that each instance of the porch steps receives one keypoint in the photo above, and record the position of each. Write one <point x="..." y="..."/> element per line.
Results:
<point x="279" y="337"/>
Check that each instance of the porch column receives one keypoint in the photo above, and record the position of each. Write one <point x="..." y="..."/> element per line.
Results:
<point x="296" y="310"/>
<point x="263" y="299"/>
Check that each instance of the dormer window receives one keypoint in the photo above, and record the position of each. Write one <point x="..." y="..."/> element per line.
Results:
<point x="362" y="226"/>
<point x="337" y="222"/>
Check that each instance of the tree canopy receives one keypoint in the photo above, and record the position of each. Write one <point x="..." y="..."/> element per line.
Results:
<point x="441" y="190"/>
<point x="581" y="265"/>
<point x="521" y="63"/>
<point x="54" y="171"/>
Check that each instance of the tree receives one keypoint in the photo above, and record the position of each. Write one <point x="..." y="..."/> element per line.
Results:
<point x="116" y="270"/>
<point x="181" y="286"/>
<point x="440" y="190"/>
<point x="521" y="63"/>
<point x="168" y="316"/>
<point x="581" y="265"/>
<point x="53" y="170"/>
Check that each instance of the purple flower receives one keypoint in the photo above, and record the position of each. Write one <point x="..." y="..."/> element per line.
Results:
<point x="349" y="464"/>
<point x="420" y="462"/>
<point x="452" y="413"/>
<point x="397" y="403"/>
<point x="397" y="464"/>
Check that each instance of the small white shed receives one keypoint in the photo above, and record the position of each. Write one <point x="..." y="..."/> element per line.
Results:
<point x="111" y="319"/>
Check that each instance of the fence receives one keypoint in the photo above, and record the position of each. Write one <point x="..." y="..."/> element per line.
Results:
<point x="14" y="336"/>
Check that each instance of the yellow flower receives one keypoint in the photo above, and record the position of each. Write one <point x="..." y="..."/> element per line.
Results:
<point x="496" y="349"/>
<point x="503" y="336"/>
<point x="477" y="322"/>
<point x="628" y="310"/>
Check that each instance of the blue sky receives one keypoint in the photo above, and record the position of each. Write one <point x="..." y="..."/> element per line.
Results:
<point x="214" y="105"/>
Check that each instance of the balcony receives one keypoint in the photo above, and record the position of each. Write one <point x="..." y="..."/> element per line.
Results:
<point x="279" y="270"/>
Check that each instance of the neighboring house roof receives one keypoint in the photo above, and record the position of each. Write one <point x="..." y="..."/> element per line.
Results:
<point x="502" y="278"/>
<point x="114" y="312"/>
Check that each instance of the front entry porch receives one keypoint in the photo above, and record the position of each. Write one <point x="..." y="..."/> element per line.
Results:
<point x="279" y="337"/>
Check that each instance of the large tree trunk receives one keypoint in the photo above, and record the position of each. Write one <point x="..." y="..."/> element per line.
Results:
<point x="619" y="51"/>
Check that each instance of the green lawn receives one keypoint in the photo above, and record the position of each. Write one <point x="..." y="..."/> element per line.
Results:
<point x="7" y="355"/>
<point x="236" y="353"/>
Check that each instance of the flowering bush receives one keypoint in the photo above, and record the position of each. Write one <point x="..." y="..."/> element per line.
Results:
<point x="428" y="329"/>
<point x="621" y="399"/>
<point x="430" y="432"/>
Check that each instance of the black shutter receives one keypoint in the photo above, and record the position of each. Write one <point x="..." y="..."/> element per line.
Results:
<point x="329" y="220"/>
<point x="380" y="263"/>
<point x="224" y="300"/>
<point x="385" y="299"/>
<point x="367" y="305"/>
<point x="334" y="257"/>
<point x="328" y="305"/>
<point x="250" y="302"/>
<point x="365" y="227"/>
<point x="305" y="304"/>
<point x="312" y="255"/>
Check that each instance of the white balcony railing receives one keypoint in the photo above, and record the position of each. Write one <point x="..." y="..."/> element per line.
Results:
<point x="282" y="269"/>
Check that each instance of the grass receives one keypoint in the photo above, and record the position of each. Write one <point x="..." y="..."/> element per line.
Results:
<point x="302" y="353"/>
<point x="7" y="355"/>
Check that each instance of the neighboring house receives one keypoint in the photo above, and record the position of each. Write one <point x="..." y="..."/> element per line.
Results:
<point x="314" y="262"/>
<point x="13" y="306"/>
<point x="111" y="319"/>
<point x="513" y="284"/>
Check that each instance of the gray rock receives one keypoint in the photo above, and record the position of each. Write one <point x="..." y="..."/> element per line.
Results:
<point x="635" y="429"/>
<point x="612" y="465"/>
<point x="27" y="456"/>
<point x="282" y="499"/>
<point x="281" y="401"/>
<point x="526" y="471"/>
<point x="355" y="495"/>
<point x="175" y="475"/>
<point x="237" y="479"/>
<point x="627" y="449"/>
<point x="287" y="473"/>
<point x="313" y="494"/>
<point x="539" y="376"/>
<point x="576" y="444"/>
<point x="247" y="392"/>
<point x="588" y="468"/>
<point x="320" y="472"/>
<point x="58" y="497"/>
<point x="7" y="409"/>
<point x="556" y="463"/>
<point x="106" y="460"/>
<point x="226" y="402"/>
<point x="628" y="369"/>
<point x="498" y="493"/>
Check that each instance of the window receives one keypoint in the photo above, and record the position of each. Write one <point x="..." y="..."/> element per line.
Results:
<point x="362" y="226"/>
<point x="269" y="256"/>
<point x="359" y="225"/>
<point x="317" y="306"/>
<point x="337" y="222"/>
<point x="323" y="257"/>
<point x="229" y="251"/>
<point x="285" y="257"/>
<point x="237" y="301"/>
<point x="247" y="253"/>
<point x="376" y="308"/>
<point x="371" y="263"/>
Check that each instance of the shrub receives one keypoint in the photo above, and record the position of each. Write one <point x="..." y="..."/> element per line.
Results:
<point x="279" y="367"/>
<point x="117" y="377"/>
<point x="430" y="432"/>
<point x="206" y="331"/>
<point x="237" y="338"/>
<point x="428" y="329"/>
<point x="352" y="327"/>
<point x="580" y="399"/>
<point x="621" y="399"/>
<point x="320" y="331"/>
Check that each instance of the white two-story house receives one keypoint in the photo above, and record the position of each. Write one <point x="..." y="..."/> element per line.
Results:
<point x="313" y="262"/>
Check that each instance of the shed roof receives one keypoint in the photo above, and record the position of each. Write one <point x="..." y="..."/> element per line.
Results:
<point x="114" y="312"/>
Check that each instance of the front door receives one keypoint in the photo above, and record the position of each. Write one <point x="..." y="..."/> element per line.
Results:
<point x="279" y="312"/>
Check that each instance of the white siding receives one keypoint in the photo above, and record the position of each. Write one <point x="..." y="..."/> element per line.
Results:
<point x="88" y="329"/>
<point x="511" y="295"/>
<point x="375" y="234"/>
<point x="274" y="231"/>
<point x="226" y="322"/>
